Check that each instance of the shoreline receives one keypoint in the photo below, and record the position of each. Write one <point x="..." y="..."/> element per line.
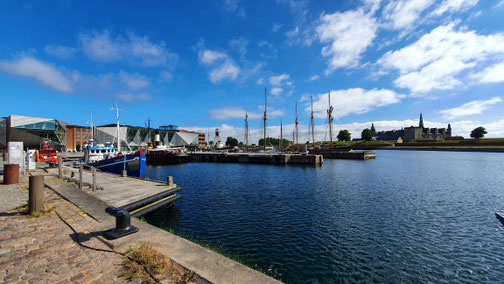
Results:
<point x="447" y="149"/>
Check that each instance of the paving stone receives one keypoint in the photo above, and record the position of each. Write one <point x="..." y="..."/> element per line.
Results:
<point x="41" y="250"/>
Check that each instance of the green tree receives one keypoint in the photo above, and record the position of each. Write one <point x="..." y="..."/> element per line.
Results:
<point x="367" y="134"/>
<point x="478" y="132"/>
<point x="344" y="135"/>
<point x="231" y="142"/>
<point x="270" y="141"/>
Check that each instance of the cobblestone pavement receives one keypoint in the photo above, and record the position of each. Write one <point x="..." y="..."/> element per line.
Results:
<point x="42" y="249"/>
<point x="12" y="195"/>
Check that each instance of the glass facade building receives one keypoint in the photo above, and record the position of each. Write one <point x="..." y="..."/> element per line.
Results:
<point x="32" y="131"/>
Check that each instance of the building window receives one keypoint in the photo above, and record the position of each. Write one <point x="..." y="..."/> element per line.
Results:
<point x="77" y="136"/>
<point x="77" y="146"/>
<point x="78" y="129"/>
<point x="84" y="136"/>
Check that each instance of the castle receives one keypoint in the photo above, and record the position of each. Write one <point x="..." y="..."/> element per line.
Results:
<point x="415" y="133"/>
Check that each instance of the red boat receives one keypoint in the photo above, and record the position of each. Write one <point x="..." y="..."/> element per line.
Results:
<point x="47" y="153"/>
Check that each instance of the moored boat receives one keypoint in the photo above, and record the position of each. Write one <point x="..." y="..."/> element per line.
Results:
<point x="108" y="158"/>
<point x="134" y="164"/>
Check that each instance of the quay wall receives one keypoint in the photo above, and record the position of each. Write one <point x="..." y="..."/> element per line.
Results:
<point x="275" y="159"/>
<point x="486" y="150"/>
<point x="338" y="154"/>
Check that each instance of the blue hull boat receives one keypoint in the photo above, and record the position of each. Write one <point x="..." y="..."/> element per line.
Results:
<point x="134" y="164"/>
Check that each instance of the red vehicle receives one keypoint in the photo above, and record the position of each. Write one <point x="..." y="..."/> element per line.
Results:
<point x="47" y="153"/>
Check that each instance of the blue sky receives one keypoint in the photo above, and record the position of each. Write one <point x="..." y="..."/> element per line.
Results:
<point x="203" y="64"/>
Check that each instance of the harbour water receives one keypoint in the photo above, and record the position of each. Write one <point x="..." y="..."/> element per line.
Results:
<point x="407" y="216"/>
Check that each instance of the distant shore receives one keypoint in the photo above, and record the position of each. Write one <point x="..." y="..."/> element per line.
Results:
<point x="450" y="149"/>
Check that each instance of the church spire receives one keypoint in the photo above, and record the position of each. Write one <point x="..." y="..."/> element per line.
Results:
<point x="373" y="129"/>
<point x="420" y="124"/>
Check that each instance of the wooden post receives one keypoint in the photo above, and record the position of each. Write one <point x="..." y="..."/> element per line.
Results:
<point x="94" y="178"/>
<point x="81" y="168"/>
<point x="60" y="165"/>
<point x="169" y="180"/>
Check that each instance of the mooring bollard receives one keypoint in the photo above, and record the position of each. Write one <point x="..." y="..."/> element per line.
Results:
<point x="36" y="194"/>
<point x="169" y="180"/>
<point x="123" y="223"/>
<point x="60" y="165"/>
<point x="81" y="168"/>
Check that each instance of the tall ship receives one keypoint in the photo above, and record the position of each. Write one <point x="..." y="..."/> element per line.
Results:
<point x="107" y="158"/>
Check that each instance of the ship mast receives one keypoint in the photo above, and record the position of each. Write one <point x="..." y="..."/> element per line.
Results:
<point x="148" y="130"/>
<point x="118" y="135"/>
<point x="297" y="133"/>
<point x="329" y="113"/>
<point x="92" y="131"/>
<point x="265" y="105"/>
<point x="281" y="136"/>
<point x="246" y="132"/>
<point x="312" y="124"/>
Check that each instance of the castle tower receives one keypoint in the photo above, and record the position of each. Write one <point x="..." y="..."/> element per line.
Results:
<point x="373" y="129"/>
<point x="449" y="130"/>
<point x="420" y="124"/>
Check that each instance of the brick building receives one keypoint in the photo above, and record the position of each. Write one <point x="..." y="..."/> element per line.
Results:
<point x="76" y="137"/>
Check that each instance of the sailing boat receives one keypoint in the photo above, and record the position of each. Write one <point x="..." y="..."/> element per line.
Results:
<point x="108" y="158"/>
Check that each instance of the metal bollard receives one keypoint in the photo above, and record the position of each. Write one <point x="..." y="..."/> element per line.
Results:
<point x="36" y="194"/>
<point x="123" y="223"/>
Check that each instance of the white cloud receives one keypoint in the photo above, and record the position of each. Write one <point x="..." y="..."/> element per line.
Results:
<point x="59" y="51"/>
<point x="239" y="112"/>
<point x="221" y="64"/>
<point x="314" y="78"/>
<point x="165" y="76"/>
<point x="130" y="98"/>
<point x="353" y="101"/>
<point x="280" y="80"/>
<point x="437" y="60"/>
<point x="276" y="91"/>
<point x="134" y="81"/>
<point x="347" y="36"/>
<point x="227" y="70"/>
<point x="454" y="6"/>
<point x="276" y="27"/>
<point x="210" y="56"/>
<point x="100" y="47"/>
<point x="233" y="6"/>
<point x="492" y="74"/>
<point x="470" y="108"/>
<point x="137" y="50"/>
<point x="239" y="44"/>
<point x="404" y="13"/>
<point x="43" y="73"/>
<point x="293" y="33"/>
